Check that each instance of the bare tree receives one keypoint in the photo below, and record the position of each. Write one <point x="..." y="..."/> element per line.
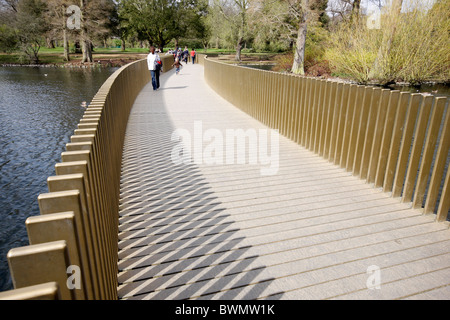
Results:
<point x="379" y="3"/>
<point x="95" y="19"/>
<point x="236" y="13"/>
<point x="57" y="18"/>
<point x="291" y="18"/>
<point x="9" y="4"/>
<point x="347" y="9"/>
<point x="86" y="45"/>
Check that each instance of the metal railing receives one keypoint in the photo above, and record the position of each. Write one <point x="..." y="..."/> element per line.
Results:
<point x="397" y="141"/>
<point x="73" y="249"/>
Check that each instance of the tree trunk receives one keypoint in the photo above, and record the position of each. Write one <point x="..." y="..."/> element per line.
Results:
<point x="65" y="41"/>
<point x="66" y="46"/>
<point x="239" y="49"/>
<point x="161" y="45"/>
<point x="86" y="46"/>
<point x="33" y="53"/>
<point x="123" y="44"/>
<point x="242" y="29"/>
<point x="298" y="67"/>
<point x="50" y="43"/>
<point x="356" y="6"/>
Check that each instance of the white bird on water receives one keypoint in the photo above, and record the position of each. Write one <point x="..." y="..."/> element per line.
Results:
<point x="84" y="104"/>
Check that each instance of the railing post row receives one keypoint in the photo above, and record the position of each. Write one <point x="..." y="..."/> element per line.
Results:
<point x="77" y="230"/>
<point x="385" y="137"/>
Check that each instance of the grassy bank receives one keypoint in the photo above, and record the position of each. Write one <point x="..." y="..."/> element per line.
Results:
<point x="117" y="57"/>
<point x="114" y="57"/>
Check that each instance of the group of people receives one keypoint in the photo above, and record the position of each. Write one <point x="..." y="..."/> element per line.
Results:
<point x="183" y="55"/>
<point x="155" y="64"/>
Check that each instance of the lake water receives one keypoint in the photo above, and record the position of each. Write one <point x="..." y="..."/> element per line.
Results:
<point x="39" y="110"/>
<point x="267" y="67"/>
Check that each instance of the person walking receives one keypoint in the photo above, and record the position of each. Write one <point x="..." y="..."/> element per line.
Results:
<point x="154" y="65"/>
<point x="177" y="64"/>
<point x="193" y="55"/>
<point x="185" y="55"/>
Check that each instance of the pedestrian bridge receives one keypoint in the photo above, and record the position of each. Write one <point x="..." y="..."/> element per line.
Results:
<point x="235" y="183"/>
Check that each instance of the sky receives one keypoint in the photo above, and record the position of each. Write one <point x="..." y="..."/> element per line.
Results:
<point x="370" y="6"/>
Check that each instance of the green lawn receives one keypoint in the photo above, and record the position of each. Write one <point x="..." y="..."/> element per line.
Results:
<point x="55" y="56"/>
<point x="60" y="50"/>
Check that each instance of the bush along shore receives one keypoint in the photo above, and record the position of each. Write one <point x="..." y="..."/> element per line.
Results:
<point x="282" y="62"/>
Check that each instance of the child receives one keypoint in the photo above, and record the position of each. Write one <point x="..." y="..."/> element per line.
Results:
<point x="177" y="65"/>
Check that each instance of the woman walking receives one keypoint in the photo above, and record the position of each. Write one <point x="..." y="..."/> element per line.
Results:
<point x="154" y="65"/>
<point x="193" y="54"/>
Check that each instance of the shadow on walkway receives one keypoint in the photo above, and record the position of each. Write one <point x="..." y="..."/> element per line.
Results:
<point x="176" y="239"/>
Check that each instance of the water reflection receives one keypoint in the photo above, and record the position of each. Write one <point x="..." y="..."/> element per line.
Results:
<point x="267" y="67"/>
<point x="438" y="90"/>
<point x="39" y="109"/>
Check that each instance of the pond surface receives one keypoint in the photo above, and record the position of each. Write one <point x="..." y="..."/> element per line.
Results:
<point x="267" y="67"/>
<point x="39" y="111"/>
<point x="438" y="90"/>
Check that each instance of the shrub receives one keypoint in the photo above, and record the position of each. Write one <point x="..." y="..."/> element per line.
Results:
<point x="8" y="38"/>
<point x="352" y="50"/>
<point x="411" y="47"/>
<point x="283" y="62"/>
<point x="316" y="39"/>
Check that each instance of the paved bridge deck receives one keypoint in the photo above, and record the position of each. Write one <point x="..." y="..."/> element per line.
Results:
<point x="311" y="231"/>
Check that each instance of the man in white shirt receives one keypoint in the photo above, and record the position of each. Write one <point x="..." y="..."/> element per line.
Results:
<point x="152" y="59"/>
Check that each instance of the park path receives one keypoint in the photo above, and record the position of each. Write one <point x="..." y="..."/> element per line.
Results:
<point x="310" y="231"/>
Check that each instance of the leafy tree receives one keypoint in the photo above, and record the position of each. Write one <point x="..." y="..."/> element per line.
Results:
<point x="96" y="16"/>
<point x="320" y="6"/>
<point x="142" y="17"/>
<point x="190" y="20"/>
<point x="8" y="38"/>
<point x="8" y="33"/>
<point x="31" y="25"/>
<point x="57" y="19"/>
<point x="236" y="14"/>
<point x="220" y="28"/>
<point x="201" y="29"/>
<point x="158" y="21"/>
<point x="293" y="20"/>
<point x="149" y="19"/>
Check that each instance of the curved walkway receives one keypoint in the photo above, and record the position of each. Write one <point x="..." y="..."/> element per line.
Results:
<point x="309" y="231"/>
